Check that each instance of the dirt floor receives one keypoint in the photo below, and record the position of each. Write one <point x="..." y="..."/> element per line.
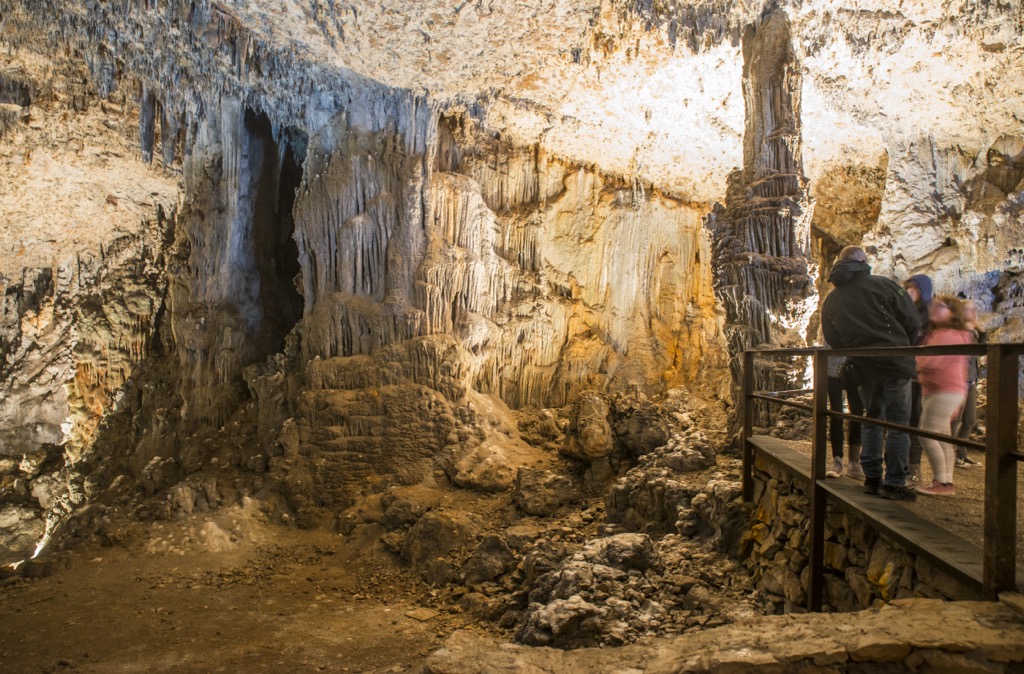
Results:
<point x="169" y="601"/>
<point x="963" y="513"/>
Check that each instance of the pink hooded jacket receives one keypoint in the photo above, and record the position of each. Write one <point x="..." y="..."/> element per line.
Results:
<point x="944" y="374"/>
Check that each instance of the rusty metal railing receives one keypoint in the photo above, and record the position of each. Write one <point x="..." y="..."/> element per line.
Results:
<point x="999" y="547"/>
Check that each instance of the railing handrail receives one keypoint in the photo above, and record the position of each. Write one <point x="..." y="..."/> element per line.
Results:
<point x="882" y="351"/>
<point x="911" y="430"/>
<point x="1001" y="448"/>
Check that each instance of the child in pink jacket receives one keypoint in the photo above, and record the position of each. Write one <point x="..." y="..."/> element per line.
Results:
<point x="943" y="389"/>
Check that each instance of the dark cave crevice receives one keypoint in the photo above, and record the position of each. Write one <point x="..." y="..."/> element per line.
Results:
<point x="273" y="226"/>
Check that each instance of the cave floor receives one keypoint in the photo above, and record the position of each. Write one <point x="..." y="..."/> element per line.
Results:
<point x="306" y="602"/>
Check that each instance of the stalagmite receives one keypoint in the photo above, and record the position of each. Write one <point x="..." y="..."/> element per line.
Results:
<point x="762" y="236"/>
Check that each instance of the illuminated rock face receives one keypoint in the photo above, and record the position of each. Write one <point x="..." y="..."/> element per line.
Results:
<point x="553" y="277"/>
<point x="911" y="140"/>
<point x="508" y="200"/>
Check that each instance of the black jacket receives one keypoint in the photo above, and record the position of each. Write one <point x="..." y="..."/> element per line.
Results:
<point x="870" y="311"/>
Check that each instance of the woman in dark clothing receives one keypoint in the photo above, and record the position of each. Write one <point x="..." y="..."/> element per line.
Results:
<point x="836" y="390"/>
<point x="919" y="287"/>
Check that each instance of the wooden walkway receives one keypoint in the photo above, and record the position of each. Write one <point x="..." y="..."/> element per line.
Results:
<point x="950" y="553"/>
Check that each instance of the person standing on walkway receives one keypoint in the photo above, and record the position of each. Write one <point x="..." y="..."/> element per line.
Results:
<point x="919" y="287"/>
<point x="943" y="389"/>
<point x="968" y="419"/>
<point x="864" y="311"/>
<point x="837" y="388"/>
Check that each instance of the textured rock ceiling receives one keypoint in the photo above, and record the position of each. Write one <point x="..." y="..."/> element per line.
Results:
<point x="579" y="77"/>
<point x="587" y="81"/>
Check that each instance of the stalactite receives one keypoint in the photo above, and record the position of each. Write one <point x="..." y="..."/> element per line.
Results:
<point x="528" y="262"/>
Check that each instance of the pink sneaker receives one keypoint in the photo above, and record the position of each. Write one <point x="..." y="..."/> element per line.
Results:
<point x="937" y="489"/>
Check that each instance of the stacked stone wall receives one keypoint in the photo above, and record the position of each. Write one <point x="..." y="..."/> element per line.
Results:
<point x="862" y="566"/>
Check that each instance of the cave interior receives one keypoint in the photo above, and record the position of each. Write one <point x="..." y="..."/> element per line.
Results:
<point x="396" y="336"/>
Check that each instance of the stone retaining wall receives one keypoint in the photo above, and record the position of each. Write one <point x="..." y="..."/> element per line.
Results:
<point x="862" y="566"/>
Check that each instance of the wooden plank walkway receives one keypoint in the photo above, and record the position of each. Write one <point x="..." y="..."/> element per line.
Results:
<point x="952" y="554"/>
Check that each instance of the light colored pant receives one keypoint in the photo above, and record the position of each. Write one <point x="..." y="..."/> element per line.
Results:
<point x="937" y="413"/>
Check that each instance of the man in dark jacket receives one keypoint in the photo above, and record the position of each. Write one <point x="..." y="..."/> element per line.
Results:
<point x="871" y="311"/>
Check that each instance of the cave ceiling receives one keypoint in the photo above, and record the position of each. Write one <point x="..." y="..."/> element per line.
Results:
<point x="654" y="89"/>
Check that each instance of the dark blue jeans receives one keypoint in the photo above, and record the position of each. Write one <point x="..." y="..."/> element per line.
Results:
<point x="889" y="400"/>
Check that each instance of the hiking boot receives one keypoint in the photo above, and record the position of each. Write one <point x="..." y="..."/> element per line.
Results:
<point x="967" y="462"/>
<point x="914" y="475"/>
<point x="898" y="493"/>
<point x="872" y="485"/>
<point x="836" y="469"/>
<point x="937" y="489"/>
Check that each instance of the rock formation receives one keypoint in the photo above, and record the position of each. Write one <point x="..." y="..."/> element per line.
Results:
<point x="762" y="235"/>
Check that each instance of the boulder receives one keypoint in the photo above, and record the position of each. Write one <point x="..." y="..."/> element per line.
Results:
<point x="194" y="495"/>
<point x="564" y="623"/>
<point x="492" y="558"/>
<point x="686" y="453"/>
<point x="160" y="474"/>
<point x="578" y="577"/>
<point x="20" y="530"/>
<point x="436" y="535"/>
<point x="717" y="515"/>
<point x="639" y="425"/>
<point x="482" y="607"/>
<point x="624" y="551"/>
<point x="540" y="492"/>
<point x="33" y="463"/>
<point x="401" y="513"/>
<point x="647" y="498"/>
<point x="484" y="468"/>
<point x="589" y="435"/>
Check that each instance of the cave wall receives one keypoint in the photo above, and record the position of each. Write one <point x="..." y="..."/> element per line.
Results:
<point x="911" y="119"/>
<point x="530" y="262"/>
<point x="392" y="225"/>
<point x="233" y="297"/>
<point x="84" y="231"/>
<point x="193" y="101"/>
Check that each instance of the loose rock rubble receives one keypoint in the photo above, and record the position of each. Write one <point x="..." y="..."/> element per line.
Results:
<point x="565" y="569"/>
<point x="620" y="588"/>
<point x="652" y="495"/>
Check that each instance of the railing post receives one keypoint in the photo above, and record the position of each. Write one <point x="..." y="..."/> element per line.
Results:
<point x="818" y="497"/>
<point x="748" y="426"/>
<point x="1000" y="542"/>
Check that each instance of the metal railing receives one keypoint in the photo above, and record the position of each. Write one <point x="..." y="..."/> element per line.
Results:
<point x="999" y="547"/>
